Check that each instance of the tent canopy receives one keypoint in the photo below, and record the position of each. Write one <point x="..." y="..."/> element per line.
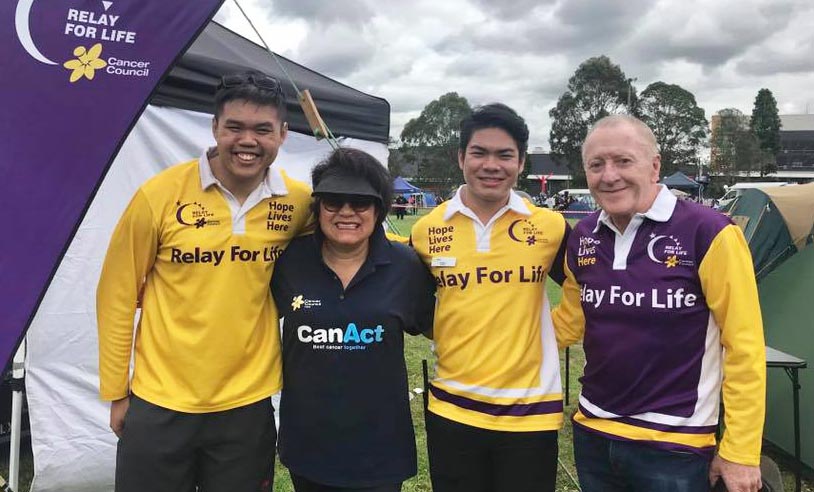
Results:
<point x="192" y="82"/>
<point x="401" y="185"/>
<point x="679" y="180"/>
<point x="777" y="222"/>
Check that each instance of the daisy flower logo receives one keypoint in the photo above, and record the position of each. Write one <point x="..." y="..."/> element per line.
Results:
<point x="86" y="63"/>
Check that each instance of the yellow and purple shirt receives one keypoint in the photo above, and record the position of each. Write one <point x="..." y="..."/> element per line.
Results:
<point x="670" y="316"/>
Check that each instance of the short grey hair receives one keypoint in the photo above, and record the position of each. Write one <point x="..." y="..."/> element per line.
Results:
<point x="618" y="119"/>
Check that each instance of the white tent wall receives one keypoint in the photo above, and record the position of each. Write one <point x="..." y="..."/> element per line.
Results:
<point x="73" y="446"/>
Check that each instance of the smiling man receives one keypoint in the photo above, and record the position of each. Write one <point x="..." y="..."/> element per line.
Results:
<point x="663" y="292"/>
<point x="496" y="401"/>
<point x="200" y="240"/>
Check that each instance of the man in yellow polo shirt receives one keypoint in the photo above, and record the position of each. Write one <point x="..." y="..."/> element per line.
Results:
<point x="200" y="241"/>
<point x="496" y="402"/>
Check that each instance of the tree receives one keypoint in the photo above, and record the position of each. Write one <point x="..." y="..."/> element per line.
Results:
<point x="598" y="88"/>
<point x="431" y="140"/>
<point x="734" y="147"/>
<point x="765" y="124"/>
<point x="678" y="123"/>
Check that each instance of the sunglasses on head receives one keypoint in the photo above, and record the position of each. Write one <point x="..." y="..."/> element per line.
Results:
<point x="359" y="203"/>
<point x="257" y="80"/>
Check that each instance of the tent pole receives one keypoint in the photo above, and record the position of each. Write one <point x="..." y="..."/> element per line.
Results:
<point x="17" y="386"/>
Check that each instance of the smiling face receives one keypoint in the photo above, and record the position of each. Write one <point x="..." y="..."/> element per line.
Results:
<point x="347" y="221"/>
<point x="491" y="164"/>
<point x="248" y="138"/>
<point x="622" y="170"/>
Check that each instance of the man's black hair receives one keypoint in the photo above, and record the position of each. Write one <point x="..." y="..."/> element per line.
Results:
<point x="358" y="164"/>
<point x="495" y="115"/>
<point x="251" y="86"/>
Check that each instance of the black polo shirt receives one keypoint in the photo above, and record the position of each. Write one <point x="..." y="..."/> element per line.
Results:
<point x="344" y="412"/>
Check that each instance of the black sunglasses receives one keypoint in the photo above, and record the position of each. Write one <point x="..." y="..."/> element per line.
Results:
<point x="334" y="203"/>
<point x="257" y="80"/>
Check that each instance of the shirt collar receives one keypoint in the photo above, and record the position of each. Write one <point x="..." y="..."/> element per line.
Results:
<point x="272" y="185"/>
<point x="660" y="211"/>
<point x="456" y="204"/>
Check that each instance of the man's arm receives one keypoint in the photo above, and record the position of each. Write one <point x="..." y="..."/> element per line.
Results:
<point x="728" y="281"/>
<point x="129" y="258"/>
<point x="568" y="317"/>
<point x="557" y="270"/>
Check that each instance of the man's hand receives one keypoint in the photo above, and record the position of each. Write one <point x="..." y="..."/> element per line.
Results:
<point x="737" y="478"/>
<point x="118" y="409"/>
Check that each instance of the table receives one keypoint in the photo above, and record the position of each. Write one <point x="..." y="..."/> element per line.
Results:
<point x="790" y="364"/>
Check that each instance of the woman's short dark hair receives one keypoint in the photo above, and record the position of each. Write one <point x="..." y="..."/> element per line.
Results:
<point x="357" y="163"/>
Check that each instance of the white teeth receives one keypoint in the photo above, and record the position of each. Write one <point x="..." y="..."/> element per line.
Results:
<point x="347" y="226"/>
<point x="245" y="157"/>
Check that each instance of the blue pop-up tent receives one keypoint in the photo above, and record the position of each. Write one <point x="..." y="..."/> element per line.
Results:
<point x="681" y="181"/>
<point x="401" y="186"/>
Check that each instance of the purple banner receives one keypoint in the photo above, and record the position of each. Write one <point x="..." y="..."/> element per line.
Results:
<point x="76" y="76"/>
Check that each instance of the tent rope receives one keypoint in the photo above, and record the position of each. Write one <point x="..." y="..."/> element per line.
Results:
<point x="330" y="136"/>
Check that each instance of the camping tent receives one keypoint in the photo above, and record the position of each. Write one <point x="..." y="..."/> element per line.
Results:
<point x="72" y="444"/>
<point x="779" y="225"/>
<point x="680" y="181"/>
<point x="786" y="296"/>
<point x="777" y="222"/>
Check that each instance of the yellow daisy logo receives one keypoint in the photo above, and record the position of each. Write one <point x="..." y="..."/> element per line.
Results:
<point x="86" y="62"/>
<point x="297" y="302"/>
<point x="672" y="261"/>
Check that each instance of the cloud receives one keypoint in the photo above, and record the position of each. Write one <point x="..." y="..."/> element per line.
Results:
<point x="346" y="11"/>
<point x="522" y="52"/>
<point x="337" y="50"/>
<point x="708" y="33"/>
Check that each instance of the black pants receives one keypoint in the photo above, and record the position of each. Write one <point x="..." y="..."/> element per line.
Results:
<point x="470" y="459"/>
<point x="304" y="485"/>
<point x="162" y="450"/>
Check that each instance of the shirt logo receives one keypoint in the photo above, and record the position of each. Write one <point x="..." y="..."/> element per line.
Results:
<point x="586" y="254"/>
<point x="194" y="213"/>
<point x="667" y="250"/>
<point x="299" y="301"/>
<point x="349" y="338"/>
<point x="524" y="231"/>
<point x="439" y="239"/>
<point x="279" y="216"/>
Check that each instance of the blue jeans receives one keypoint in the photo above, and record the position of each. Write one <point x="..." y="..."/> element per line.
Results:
<point x="606" y="465"/>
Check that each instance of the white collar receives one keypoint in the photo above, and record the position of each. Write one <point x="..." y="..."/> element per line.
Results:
<point x="660" y="211"/>
<point x="272" y="185"/>
<point x="456" y="205"/>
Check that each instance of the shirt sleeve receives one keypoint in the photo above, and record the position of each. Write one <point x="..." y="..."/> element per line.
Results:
<point x="422" y="294"/>
<point x="557" y="272"/>
<point x="568" y="317"/>
<point x="130" y="256"/>
<point x="728" y="282"/>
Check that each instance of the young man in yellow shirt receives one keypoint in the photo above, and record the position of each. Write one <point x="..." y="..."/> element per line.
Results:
<point x="199" y="240"/>
<point x="496" y="402"/>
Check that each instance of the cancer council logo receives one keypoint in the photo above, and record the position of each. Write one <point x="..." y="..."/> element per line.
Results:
<point x="82" y="31"/>
<point x="86" y="63"/>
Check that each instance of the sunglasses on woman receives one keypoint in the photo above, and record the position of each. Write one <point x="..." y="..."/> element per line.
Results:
<point x="358" y="203"/>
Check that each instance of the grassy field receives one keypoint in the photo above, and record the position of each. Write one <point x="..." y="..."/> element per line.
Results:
<point x="416" y="350"/>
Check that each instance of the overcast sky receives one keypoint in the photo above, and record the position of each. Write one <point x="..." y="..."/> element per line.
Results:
<point x="522" y="52"/>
